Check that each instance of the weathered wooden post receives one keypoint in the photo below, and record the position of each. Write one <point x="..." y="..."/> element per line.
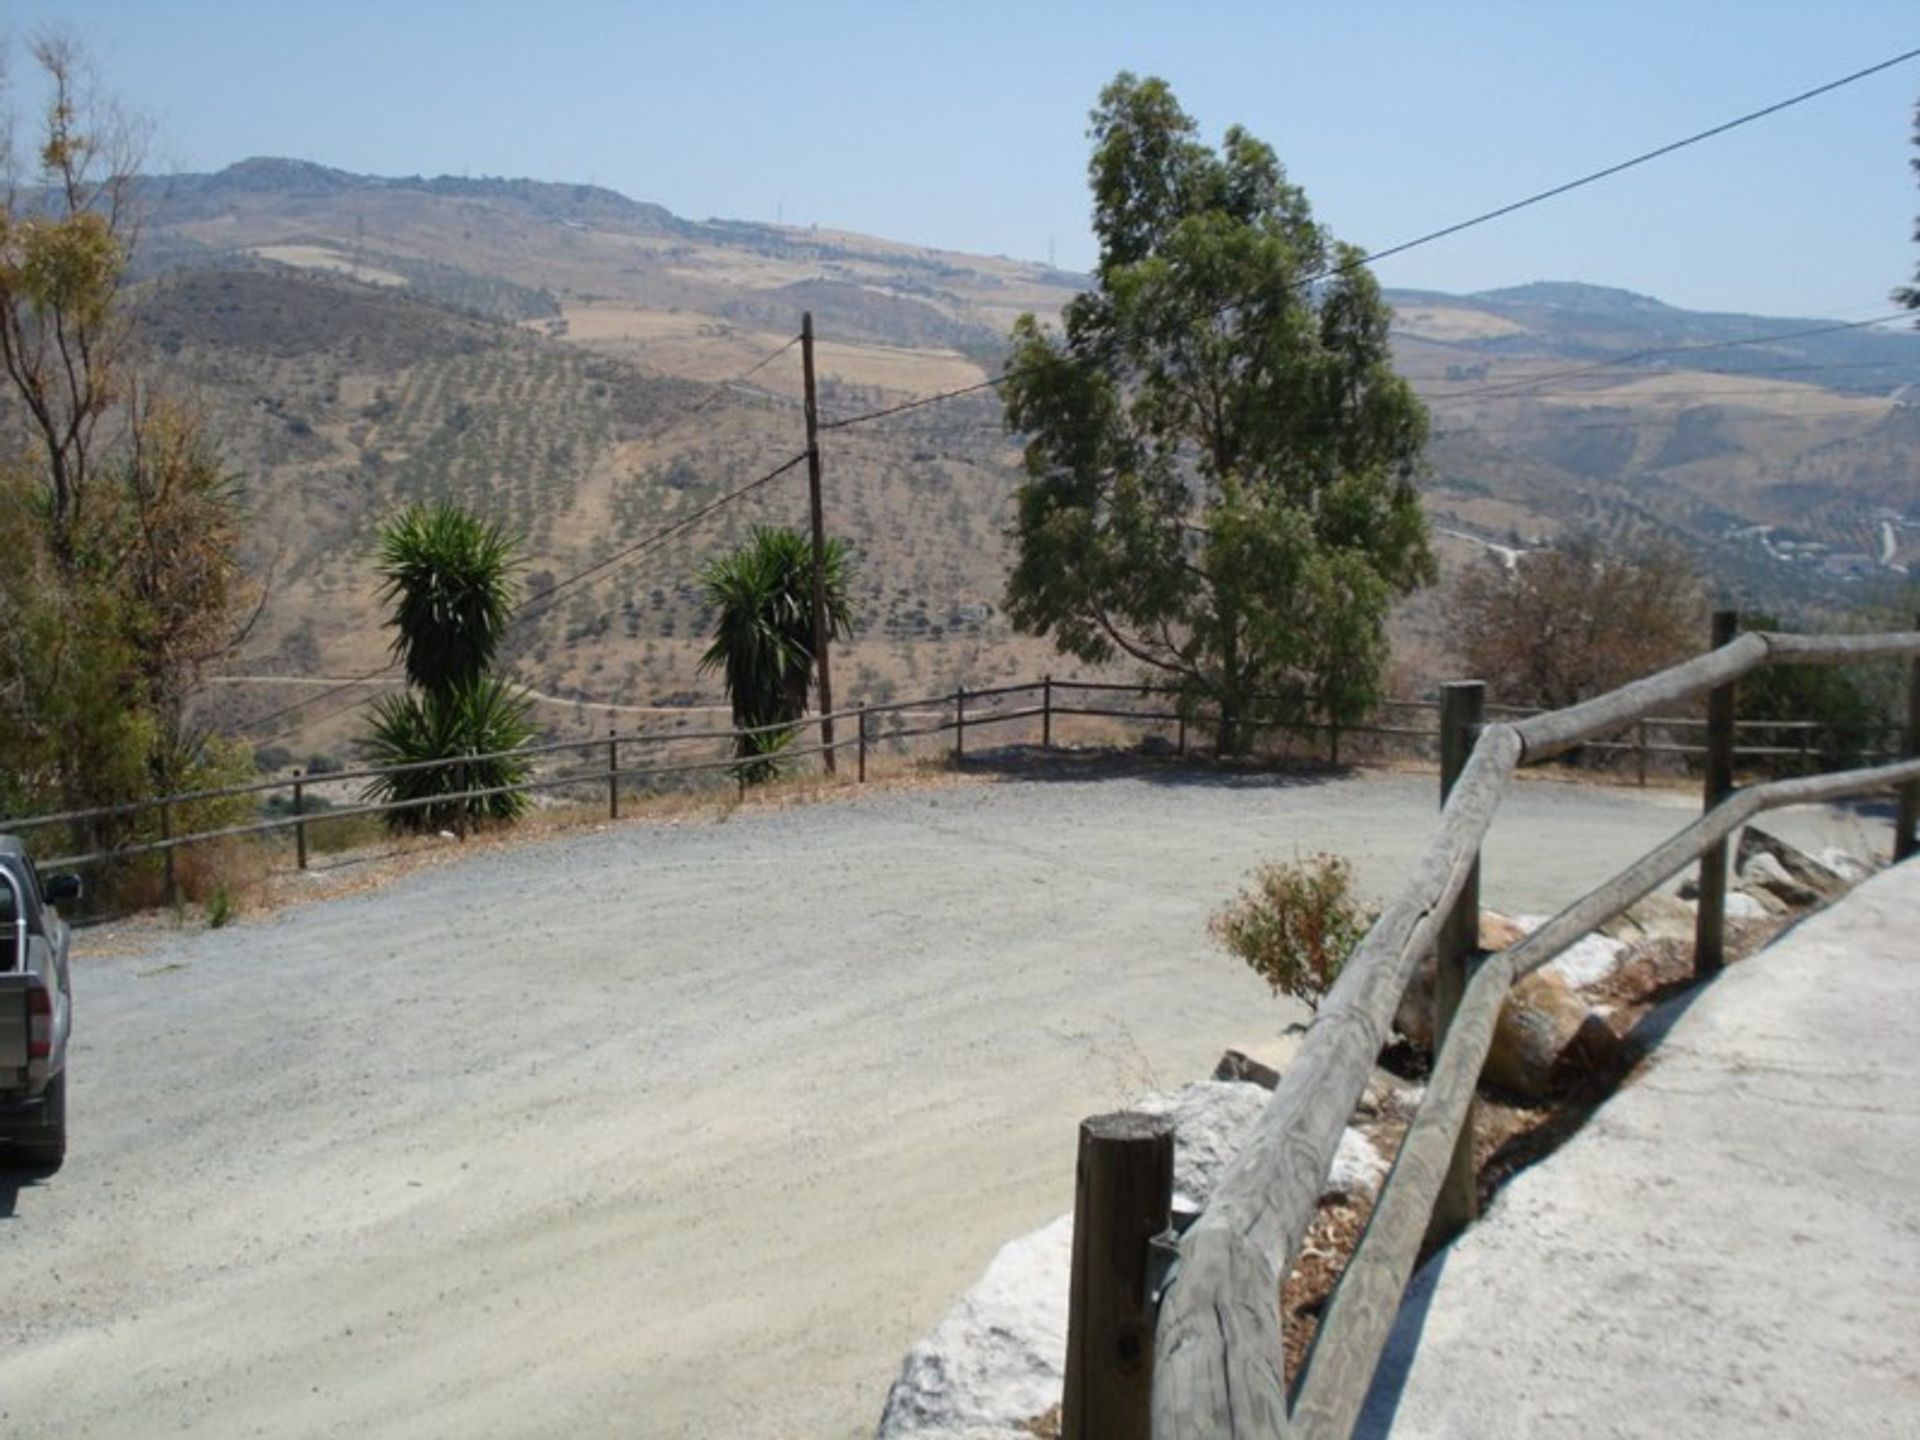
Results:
<point x="1640" y="751"/>
<point x="1456" y="946"/>
<point x="1333" y="744"/>
<point x="1710" y="925"/>
<point x="1180" y="735"/>
<point x="167" y="857"/>
<point x="1046" y="712"/>
<point x="460" y="805"/>
<point x="1906" y="830"/>
<point x="861" y="748"/>
<point x="1123" y="1197"/>
<point x="959" y="724"/>
<point x="613" y="772"/>
<point x="299" y="821"/>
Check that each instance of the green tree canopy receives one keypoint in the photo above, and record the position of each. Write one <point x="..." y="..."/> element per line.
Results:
<point x="1219" y="454"/>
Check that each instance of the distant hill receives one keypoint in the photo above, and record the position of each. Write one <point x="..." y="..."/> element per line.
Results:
<point x="534" y="349"/>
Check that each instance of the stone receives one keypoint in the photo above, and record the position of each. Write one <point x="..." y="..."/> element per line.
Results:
<point x="1237" y="1065"/>
<point x="1658" y="916"/>
<point x="1824" y="882"/>
<point x="1761" y="872"/>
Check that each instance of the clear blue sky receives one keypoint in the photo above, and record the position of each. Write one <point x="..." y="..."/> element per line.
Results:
<point x="964" y="125"/>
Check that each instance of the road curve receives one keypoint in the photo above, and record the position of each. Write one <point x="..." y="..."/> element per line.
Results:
<point x="661" y="1130"/>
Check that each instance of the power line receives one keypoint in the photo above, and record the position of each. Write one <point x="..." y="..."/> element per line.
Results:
<point x="719" y="388"/>
<point x="658" y="537"/>
<point x="913" y="404"/>
<point x="1611" y="170"/>
<point x="1538" y="197"/>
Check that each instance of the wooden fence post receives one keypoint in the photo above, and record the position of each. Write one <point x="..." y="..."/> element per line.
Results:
<point x="1456" y="949"/>
<point x="1640" y="751"/>
<point x="460" y="805"/>
<point x="299" y="824"/>
<point x="863" y="744"/>
<point x="1046" y="713"/>
<point x="959" y="724"/>
<point x="1123" y="1197"/>
<point x="1333" y="744"/>
<point x="1180" y="736"/>
<point x="167" y="855"/>
<point x="613" y="772"/>
<point x="1906" y="830"/>
<point x="1710" y="925"/>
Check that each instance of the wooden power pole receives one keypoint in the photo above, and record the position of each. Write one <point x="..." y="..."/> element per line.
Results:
<point x="819" y="543"/>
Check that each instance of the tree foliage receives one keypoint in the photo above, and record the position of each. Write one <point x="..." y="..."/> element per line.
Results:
<point x="1562" y="625"/>
<point x="763" y="641"/>
<point x="1219" y="455"/>
<point x="119" y="522"/>
<point x="1909" y="295"/>
<point x="448" y="578"/>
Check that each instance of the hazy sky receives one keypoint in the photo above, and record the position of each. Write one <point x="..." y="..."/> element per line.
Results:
<point x="964" y="125"/>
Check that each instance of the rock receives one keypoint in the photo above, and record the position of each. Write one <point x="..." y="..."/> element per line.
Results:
<point x="1237" y="1065"/>
<point x="1545" y="1027"/>
<point x="1847" y="865"/>
<point x="1158" y="747"/>
<point x="1762" y="873"/>
<point x="1546" y="1031"/>
<point x="1210" y="1120"/>
<point x="1757" y="904"/>
<point x="1658" y="916"/>
<point x="1824" y="882"/>
<point x="998" y="1357"/>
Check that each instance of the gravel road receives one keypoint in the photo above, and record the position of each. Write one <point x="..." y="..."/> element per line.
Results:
<point x="658" y="1130"/>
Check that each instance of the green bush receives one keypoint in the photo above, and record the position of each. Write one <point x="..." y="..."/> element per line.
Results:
<point x="1295" y="925"/>
<point x="478" y="718"/>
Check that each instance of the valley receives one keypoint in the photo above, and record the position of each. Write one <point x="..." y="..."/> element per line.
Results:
<point x="592" y="370"/>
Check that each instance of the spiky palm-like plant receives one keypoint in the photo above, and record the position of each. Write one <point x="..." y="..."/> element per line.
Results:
<point x="448" y="576"/>
<point x="763" y="637"/>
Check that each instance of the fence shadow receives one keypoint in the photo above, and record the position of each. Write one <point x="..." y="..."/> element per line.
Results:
<point x="1031" y="764"/>
<point x="1382" y="1404"/>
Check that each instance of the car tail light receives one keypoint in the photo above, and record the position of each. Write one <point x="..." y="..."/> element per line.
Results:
<point x="39" y="1022"/>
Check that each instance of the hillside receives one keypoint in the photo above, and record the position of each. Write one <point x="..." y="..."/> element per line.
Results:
<point x="548" y="353"/>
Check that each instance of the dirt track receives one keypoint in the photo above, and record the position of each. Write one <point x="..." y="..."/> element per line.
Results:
<point x="629" y="1133"/>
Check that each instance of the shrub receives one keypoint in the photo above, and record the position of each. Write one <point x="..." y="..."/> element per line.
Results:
<point x="1295" y="925"/>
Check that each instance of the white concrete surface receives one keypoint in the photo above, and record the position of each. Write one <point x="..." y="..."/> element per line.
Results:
<point x="1730" y="1248"/>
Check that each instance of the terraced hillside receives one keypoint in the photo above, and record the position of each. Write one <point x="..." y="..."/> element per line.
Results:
<point x="548" y="354"/>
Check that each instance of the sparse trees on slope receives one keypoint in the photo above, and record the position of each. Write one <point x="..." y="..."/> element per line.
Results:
<point x="1219" y="454"/>
<point x="448" y="576"/>
<point x="1561" y="625"/>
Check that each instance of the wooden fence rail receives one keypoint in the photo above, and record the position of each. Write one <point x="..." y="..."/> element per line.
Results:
<point x="1218" y="1353"/>
<point x="956" y="713"/>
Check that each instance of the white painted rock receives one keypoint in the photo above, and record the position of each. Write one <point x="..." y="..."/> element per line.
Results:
<point x="999" y="1356"/>
<point x="1588" y="961"/>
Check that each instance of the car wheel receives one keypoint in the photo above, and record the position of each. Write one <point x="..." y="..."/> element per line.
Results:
<point x="47" y="1149"/>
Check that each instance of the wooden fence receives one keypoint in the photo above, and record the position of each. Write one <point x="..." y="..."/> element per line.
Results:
<point x="606" y="764"/>
<point x="1214" y="1369"/>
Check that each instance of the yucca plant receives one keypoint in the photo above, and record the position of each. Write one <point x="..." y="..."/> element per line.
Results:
<point x="448" y="576"/>
<point x="763" y="637"/>
<point x="475" y="718"/>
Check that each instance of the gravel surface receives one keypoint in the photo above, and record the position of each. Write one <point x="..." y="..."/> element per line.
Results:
<point x="676" y="1130"/>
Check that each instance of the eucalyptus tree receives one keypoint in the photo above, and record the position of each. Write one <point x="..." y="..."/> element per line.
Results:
<point x="1219" y="455"/>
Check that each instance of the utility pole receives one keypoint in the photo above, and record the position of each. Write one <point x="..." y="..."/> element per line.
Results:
<point x="819" y="543"/>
